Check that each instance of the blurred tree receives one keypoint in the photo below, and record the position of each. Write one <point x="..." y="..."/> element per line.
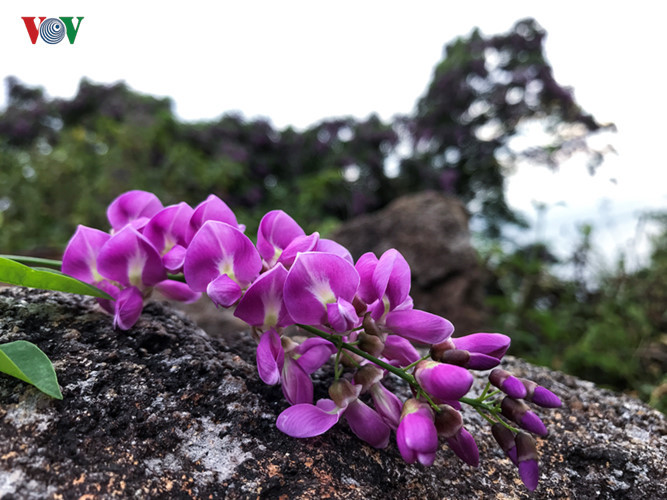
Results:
<point x="485" y="92"/>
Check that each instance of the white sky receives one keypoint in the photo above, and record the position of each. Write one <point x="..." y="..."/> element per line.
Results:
<point x="297" y="62"/>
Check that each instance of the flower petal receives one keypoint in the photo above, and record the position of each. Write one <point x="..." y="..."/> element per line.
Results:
<point x="391" y="277"/>
<point x="213" y="208"/>
<point x="167" y="227"/>
<point x="419" y="326"/>
<point x="365" y="266"/>
<point x="367" y="424"/>
<point x="330" y="246"/>
<point x="224" y="291"/>
<point x="307" y="420"/>
<point x="463" y="444"/>
<point x="296" y="384"/>
<point x="130" y="206"/>
<point x="270" y="357"/>
<point x="174" y="259"/>
<point x="216" y="249"/>
<point x="342" y="316"/>
<point x="80" y="257"/>
<point x="130" y="259"/>
<point x="387" y="405"/>
<point x="312" y="353"/>
<point x="175" y="290"/>
<point x="443" y="381"/>
<point x="399" y="349"/>
<point x="298" y="244"/>
<point x="129" y="305"/>
<point x="315" y="280"/>
<point x="276" y="231"/>
<point x="262" y="304"/>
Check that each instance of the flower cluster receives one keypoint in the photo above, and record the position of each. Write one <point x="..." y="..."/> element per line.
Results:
<point x="360" y="313"/>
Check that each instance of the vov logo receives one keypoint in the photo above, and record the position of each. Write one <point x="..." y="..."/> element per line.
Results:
<point x="53" y="29"/>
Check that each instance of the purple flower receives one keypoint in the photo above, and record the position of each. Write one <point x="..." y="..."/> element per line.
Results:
<point x="463" y="444"/>
<point x="276" y="231"/>
<point x="306" y="420"/>
<point x="80" y="257"/>
<point x="319" y="290"/>
<point x="292" y="366"/>
<point x="166" y="230"/>
<point x="132" y="206"/>
<point x="129" y="259"/>
<point x="442" y="381"/>
<point x="400" y="351"/>
<point x="262" y="304"/>
<point x="221" y="260"/>
<point x="417" y="437"/>
<point x="129" y="304"/>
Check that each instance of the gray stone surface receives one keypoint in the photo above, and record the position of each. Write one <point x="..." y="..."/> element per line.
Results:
<point x="431" y="231"/>
<point x="164" y="411"/>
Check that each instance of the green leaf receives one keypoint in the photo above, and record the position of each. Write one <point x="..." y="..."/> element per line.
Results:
<point x="14" y="273"/>
<point x="25" y="361"/>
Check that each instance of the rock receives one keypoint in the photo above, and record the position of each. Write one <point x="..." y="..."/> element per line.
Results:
<point x="431" y="231"/>
<point x="164" y="411"/>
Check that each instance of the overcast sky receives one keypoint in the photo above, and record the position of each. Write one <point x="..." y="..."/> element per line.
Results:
<point x="297" y="62"/>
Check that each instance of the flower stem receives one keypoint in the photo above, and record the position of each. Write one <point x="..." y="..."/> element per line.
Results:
<point x="338" y="342"/>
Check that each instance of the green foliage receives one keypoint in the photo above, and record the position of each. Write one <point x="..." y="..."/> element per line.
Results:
<point x="25" y="361"/>
<point x="15" y="273"/>
<point x="614" y="334"/>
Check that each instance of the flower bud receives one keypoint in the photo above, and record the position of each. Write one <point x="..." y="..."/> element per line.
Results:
<point x="505" y="438"/>
<point x="540" y="396"/>
<point x="343" y="393"/>
<point x="387" y="405"/>
<point x="486" y="349"/>
<point x="508" y="383"/>
<point x="518" y="412"/>
<point x="463" y="444"/>
<point x="371" y="344"/>
<point x="368" y="375"/>
<point x="442" y="381"/>
<point x="527" y="460"/>
<point x="438" y="350"/>
<point x="370" y="327"/>
<point x="448" y="421"/>
<point x="455" y="357"/>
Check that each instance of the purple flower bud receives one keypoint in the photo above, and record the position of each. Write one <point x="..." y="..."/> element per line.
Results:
<point x="416" y="436"/>
<point x="507" y="383"/>
<point x="486" y="349"/>
<point x="540" y="396"/>
<point x="463" y="444"/>
<point x="270" y="357"/>
<point x="442" y="381"/>
<point x="527" y="460"/>
<point x="505" y="438"/>
<point x="448" y="421"/>
<point x="296" y="384"/>
<point x="518" y="412"/>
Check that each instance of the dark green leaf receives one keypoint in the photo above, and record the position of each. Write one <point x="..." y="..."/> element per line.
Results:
<point x="25" y="361"/>
<point x="14" y="273"/>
